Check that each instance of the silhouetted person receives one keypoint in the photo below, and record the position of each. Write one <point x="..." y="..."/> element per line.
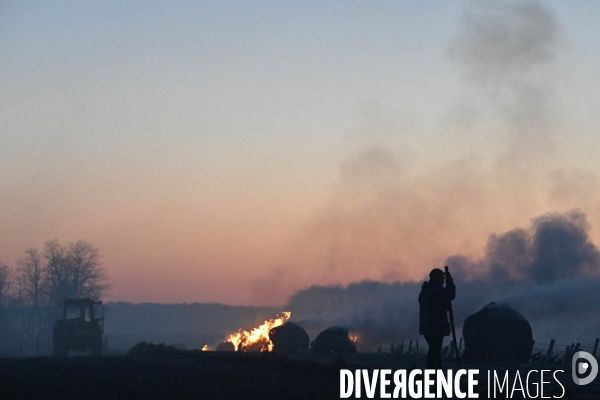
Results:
<point x="434" y="303"/>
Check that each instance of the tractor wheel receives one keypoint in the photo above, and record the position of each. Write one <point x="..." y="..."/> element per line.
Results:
<point x="97" y="345"/>
<point x="59" y="348"/>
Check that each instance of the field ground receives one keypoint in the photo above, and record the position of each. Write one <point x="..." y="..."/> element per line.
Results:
<point x="211" y="375"/>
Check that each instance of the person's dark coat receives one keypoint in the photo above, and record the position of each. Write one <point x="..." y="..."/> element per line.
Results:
<point x="434" y="303"/>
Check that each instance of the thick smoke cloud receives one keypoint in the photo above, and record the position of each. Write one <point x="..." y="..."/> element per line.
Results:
<point x="556" y="247"/>
<point x="548" y="272"/>
<point x="561" y="248"/>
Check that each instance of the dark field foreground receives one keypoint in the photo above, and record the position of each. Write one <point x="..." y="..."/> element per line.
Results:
<point x="175" y="376"/>
<point x="209" y="375"/>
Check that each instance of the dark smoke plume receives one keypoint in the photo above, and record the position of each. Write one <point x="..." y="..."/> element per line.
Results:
<point x="556" y="247"/>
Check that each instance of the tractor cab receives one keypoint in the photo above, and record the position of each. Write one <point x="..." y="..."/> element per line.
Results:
<point x="85" y="309"/>
<point x="81" y="327"/>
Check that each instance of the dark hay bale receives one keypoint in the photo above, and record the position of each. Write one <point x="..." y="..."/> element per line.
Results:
<point x="289" y="338"/>
<point x="261" y="345"/>
<point x="145" y="349"/>
<point x="497" y="333"/>
<point x="225" y="346"/>
<point x="333" y="340"/>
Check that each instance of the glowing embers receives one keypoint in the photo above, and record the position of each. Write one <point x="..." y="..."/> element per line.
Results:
<point x="258" y="338"/>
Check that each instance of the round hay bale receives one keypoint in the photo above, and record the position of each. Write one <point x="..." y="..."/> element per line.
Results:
<point x="225" y="346"/>
<point x="333" y="340"/>
<point x="497" y="333"/>
<point x="289" y="338"/>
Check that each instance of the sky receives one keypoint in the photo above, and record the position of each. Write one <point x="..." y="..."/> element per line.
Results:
<point x="238" y="152"/>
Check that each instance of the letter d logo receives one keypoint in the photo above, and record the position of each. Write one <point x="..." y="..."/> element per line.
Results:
<point x="583" y="367"/>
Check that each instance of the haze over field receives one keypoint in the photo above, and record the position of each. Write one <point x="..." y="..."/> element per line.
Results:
<point x="239" y="152"/>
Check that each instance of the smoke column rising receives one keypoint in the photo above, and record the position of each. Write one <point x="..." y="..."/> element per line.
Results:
<point x="394" y="212"/>
<point x="401" y="222"/>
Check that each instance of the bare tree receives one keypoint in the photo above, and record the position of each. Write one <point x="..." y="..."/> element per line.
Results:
<point x="74" y="271"/>
<point x="31" y="294"/>
<point x="30" y="278"/>
<point x="5" y="285"/>
<point x="56" y="276"/>
<point x="89" y="278"/>
<point x="6" y="309"/>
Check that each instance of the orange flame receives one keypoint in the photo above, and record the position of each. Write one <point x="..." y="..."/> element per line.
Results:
<point x="353" y="338"/>
<point x="205" y="348"/>
<point x="258" y="338"/>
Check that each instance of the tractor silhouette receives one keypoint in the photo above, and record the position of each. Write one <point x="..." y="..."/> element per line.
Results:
<point x="80" y="329"/>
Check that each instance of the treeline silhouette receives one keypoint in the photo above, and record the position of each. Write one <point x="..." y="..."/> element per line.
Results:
<point x="31" y="293"/>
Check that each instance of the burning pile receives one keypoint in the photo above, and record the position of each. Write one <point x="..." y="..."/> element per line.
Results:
<point x="258" y="338"/>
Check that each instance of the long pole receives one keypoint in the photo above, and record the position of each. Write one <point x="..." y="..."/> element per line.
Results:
<point x="452" y="327"/>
